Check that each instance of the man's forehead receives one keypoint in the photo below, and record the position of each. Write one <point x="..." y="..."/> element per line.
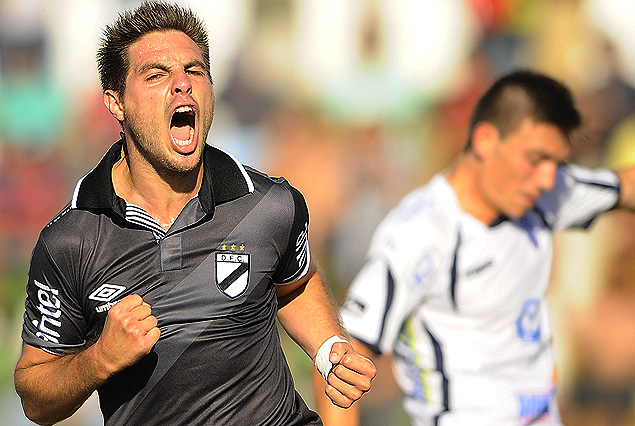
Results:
<point x="164" y="46"/>
<point x="542" y="137"/>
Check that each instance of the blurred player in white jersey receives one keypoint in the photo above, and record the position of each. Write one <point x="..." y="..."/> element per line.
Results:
<point x="455" y="278"/>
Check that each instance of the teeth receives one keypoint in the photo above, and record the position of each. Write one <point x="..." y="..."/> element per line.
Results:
<point x="184" y="108"/>
<point x="183" y="143"/>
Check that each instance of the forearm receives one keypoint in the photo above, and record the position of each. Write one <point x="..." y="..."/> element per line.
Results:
<point x="627" y="191"/>
<point x="309" y="315"/>
<point x="53" y="389"/>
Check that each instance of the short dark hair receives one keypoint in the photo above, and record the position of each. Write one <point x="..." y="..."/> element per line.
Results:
<point x="112" y="56"/>
<point x="526" y="94"/>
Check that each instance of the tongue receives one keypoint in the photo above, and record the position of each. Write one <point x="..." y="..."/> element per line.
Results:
<point x="180" y="132"/>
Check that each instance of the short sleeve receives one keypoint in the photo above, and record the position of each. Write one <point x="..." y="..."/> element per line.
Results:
<point x="393" y="282"/>
<point x="53" y="319"/>
<point x="296" y="259"/>
<point x="580" y="195"/>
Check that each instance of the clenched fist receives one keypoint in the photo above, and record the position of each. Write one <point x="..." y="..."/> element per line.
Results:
<point x="350" y="376"/>
<point x="129" y="334"/>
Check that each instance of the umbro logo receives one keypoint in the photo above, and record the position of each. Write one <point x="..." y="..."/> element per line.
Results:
<point x="106" y="292"/>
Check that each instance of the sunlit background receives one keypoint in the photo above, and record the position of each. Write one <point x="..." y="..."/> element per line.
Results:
<point x="355" y="102"/>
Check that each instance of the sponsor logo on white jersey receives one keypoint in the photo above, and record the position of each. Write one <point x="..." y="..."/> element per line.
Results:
<point x="534" y="409"/>
<point x="423" y="268"/>
<point x="528" y="323"/>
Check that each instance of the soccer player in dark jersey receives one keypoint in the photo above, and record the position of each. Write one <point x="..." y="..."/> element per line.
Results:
<point x="159" y="284"/>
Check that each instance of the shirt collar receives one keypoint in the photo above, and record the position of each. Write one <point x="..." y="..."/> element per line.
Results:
<point x="499" y="220"/>
<point x="224" y="179"/>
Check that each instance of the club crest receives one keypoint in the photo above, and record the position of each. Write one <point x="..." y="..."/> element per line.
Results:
<point x="232" y="273"/>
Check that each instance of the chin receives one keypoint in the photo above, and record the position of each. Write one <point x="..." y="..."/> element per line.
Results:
<point x="519" y="213"/>
<point x="188" y="166"/>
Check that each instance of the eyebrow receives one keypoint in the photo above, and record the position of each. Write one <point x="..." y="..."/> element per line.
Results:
<point x="160" y="66"/>
<point x="195" y="63"/>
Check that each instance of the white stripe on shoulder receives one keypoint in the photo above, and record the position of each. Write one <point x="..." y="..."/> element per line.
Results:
<point x="308" y="262"/>
<point x="600" y="177"/>
<point x="250" y="183"/>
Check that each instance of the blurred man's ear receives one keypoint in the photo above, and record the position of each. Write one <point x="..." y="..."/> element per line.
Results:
<point x="485" y="138"/>
<point x="114" y="104"/>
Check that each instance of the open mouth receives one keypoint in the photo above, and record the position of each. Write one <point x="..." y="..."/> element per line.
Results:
<point x="182" y="125"/>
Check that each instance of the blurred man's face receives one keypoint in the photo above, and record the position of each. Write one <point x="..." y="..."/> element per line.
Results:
<point x="168" y="102"/>
<point x="522" y="166"/>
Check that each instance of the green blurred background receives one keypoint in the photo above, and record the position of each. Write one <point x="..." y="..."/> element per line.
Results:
<point x="356" y="103"/>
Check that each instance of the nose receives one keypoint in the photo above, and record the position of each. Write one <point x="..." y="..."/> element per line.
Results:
<point x="547" y="176"/>
<point x="182" y="83"/>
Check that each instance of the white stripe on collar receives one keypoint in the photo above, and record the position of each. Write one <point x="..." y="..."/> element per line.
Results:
<point x="250" y="183"/>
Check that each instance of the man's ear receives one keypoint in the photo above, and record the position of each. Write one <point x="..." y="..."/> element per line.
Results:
<point x="485" y="139"/>
<point x="114" y="104"/>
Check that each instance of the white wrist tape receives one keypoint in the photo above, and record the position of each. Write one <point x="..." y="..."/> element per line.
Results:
<point x="322" y="362"/>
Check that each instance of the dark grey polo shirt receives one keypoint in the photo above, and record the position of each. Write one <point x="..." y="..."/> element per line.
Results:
<point x="209" y="280"/>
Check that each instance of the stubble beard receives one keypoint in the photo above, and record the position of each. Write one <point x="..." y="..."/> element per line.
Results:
<point x="153" y="153"/>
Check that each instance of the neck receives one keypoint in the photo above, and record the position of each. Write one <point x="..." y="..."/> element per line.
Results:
<point x="163" y="196"/>
<point x="463" y="177"/>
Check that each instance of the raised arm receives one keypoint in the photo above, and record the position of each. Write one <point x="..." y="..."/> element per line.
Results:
<point x="309" y="316"/>
<point x="627" y="188"/>
<point x="53" y="387"/>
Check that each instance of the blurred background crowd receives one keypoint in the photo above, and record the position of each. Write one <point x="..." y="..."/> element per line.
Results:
<point x="355" y="102"/>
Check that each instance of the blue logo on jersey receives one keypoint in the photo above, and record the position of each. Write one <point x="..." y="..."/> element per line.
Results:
<point x="535" y="407"/>
<point x="423" y="268"/>
<point x="528" y="323"/>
